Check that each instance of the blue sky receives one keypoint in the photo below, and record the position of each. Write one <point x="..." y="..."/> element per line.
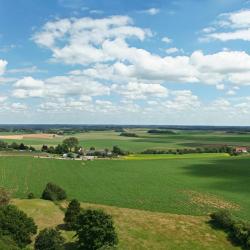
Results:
<point x="125" y="61"/>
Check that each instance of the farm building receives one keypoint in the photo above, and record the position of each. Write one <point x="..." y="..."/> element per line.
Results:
<point x="241" y="150"/>
<point x="88" y="158"/>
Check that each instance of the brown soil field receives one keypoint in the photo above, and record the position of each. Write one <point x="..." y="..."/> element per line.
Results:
<point x="28" y="136"/>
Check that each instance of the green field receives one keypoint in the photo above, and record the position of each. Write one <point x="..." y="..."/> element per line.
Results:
<point x="193" y="186"/>
<point x="182" y="139"/>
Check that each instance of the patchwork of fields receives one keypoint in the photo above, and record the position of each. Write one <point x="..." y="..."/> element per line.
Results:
<point x="107" y="139"/>
<point x="157" y="201"/>
<point x="194" y="186"/>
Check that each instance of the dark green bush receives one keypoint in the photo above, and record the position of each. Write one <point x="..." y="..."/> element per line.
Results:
<point x="53" y="192"/>
<point x="71" y="214"/>
<point x="95" y="230"/>
<point x="49" y="239"/>
<point x="222" y="219"/>
<point x="31" y="195"/>
<point x="238" y="231"/>
<point x="17" y="225"/>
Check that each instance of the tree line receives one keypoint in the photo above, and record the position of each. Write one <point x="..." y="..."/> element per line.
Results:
<point x="15" y="146"/>
<point x="219" y="149"/>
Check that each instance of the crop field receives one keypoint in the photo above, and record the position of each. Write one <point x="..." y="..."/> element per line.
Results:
<point x="172" y="156"/>
<point x="139" y="229"/>
<point x="194" y="186"/>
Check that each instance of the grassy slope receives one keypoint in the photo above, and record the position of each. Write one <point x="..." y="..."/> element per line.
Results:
<point x="182" y="186"/>
<point x="107" y="139"/>
<point x="140" y="229"/>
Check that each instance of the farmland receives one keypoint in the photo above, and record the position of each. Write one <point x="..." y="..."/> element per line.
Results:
<point x="107" y="139"/>
<point x="158" y="201"/>
<point x="182" y="186"/>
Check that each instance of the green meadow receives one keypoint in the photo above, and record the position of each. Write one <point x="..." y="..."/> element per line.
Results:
<point x="191" y="186"/>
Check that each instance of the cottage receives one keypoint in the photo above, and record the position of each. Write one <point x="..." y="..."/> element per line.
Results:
<point x="241" y="150"/>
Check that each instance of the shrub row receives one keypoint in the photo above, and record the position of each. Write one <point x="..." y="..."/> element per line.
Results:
<point x="238" y="231"/>
<point x="223" y="149"/>
<point x="158" y="131"/>
<point x="127" y="134"/>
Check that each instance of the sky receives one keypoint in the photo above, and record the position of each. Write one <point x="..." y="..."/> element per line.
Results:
<point x="176" y="62"/>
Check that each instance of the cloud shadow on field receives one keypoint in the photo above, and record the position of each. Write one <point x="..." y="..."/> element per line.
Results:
<point x="232" y="175"/>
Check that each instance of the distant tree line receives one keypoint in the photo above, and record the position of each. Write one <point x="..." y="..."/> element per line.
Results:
<point x="15" y="146"/>
<point x="222" y="149"/>
<point x="127" y="134"/>
<point x="158" y="131"/>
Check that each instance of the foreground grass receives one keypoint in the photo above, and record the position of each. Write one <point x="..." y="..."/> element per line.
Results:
<point x="182" y="186"/>
<point x="139" y="229"/>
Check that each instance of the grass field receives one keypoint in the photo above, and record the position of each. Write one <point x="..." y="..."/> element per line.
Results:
<point x="138" y="229"/>
<point x="182" y="186"/>
<point x="107" y="139"/>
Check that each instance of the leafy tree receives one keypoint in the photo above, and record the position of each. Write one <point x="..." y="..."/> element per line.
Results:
<point x="16" y="224"/>
<point x="117" y="151"/>
<point x="95" y="229"/>
<point x="4" y="197"/>
<point x="61" y="149"/>
<point x="71" y="142"/>
<point x="22" y="147"/>
<point x="53" y="192"/>
<point x="49" y="239"/>
<point x="72" y="213"/>
<point x="44" y="148"/>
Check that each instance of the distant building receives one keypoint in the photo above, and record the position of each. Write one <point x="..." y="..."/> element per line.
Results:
<point x="241" y="150"/>
<point x="88" y="158"/>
